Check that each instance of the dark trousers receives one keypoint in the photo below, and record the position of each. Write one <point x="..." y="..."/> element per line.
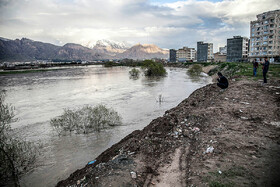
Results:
<point x="221" y="85"/>
<point x="264" y="77"/>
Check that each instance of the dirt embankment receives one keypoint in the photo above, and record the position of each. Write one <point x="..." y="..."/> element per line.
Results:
<point x="213" y="138"/>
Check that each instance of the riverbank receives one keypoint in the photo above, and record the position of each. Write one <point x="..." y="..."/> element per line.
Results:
<point x="212" y="138"/>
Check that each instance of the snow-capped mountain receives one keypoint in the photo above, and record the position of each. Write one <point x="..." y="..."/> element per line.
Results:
<point x="25" y="49"/>
<point x="107" y="46"/>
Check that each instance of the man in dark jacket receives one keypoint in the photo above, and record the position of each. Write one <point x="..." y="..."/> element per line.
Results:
<point x="265" y="69"/>
<point x="222" y="81"/>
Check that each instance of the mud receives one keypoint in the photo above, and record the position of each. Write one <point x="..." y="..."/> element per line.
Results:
<point x="214" y="137"/>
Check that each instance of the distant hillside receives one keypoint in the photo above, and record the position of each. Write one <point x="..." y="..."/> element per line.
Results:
<point x="146" y="51"/>
<point x="28" y="50"/>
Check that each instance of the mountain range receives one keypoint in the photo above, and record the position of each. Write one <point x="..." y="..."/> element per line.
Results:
<point x="27" y="50"/>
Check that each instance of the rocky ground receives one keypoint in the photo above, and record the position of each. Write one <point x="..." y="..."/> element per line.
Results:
<point x="213" y="138"/>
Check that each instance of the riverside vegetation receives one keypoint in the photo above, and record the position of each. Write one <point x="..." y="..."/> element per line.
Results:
<point x="86" y="119"/>
<point x="149" y="67"/>
<point x="16" y="155"/>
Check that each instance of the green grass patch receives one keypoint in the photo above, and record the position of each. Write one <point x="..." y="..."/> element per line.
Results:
<point x="234" y="176"/>
<point x="245" y="69"/>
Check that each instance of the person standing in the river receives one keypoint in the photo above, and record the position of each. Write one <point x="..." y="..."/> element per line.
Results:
<point x="265" y="69"/>
<point x="255" y="67"/>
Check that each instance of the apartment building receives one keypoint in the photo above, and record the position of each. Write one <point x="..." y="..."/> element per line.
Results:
<point x="265" y="36"/>
<point x="220" y="57"/>
<point x="185" y="54"/>
<point x="237" y="49"/>
<point x="204" y="52"/>
<point x="172" y="55"/>
<point x="182" y="55"/>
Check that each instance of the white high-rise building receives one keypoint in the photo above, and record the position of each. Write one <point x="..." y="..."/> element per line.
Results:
<point x="265" y="36"/>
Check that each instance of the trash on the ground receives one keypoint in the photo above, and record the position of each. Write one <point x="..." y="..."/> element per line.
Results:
<point x="246" y="103"/>
<point x="277" y="93"/>
<point x="91" y="162"/>
<point x="195" y="129"/>
<point x="78" y="182"/>
<point x="245" y="118"/>
<point x="240" y="111"/>
<point x="209" y="149"/>
<point x="130" y="153"/>
<point x="153" y="183"/>
<point x="226" y="98"/>
<point x="275" y="123"/>
<point x="220" y="172"/>
<point x="133" y="175"/>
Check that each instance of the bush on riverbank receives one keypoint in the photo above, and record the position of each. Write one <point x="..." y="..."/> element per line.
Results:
<point x="195" y="69"/>
<point x="152" y="68"/>
<point x="16" y="155"/>
<point x="86" y="120"/>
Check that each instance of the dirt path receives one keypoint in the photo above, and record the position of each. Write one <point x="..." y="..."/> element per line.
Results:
<point x="213" y="138"/>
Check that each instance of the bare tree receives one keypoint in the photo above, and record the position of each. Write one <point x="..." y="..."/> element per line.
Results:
<point x="16" y="155"/>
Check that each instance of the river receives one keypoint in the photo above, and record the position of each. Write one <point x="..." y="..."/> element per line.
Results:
<point x="41" y="96"/>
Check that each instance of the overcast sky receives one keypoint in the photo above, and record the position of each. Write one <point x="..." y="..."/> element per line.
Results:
<point x="166" y="23"/>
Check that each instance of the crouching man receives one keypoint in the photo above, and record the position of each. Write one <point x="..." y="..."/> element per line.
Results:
<point x="222" y="81"/>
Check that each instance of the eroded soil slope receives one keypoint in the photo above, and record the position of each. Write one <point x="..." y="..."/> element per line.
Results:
<point x="212" y="138"/>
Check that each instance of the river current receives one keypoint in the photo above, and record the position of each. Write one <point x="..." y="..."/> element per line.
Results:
<point x="41" y="96"/>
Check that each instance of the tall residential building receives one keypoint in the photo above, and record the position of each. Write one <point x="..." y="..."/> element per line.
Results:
<point x="265" y="36"/>
<point x="237" y="49"/>
<point x="204" y="52"/>
<point x="172" y="55"/>
<point x="185" y="54"/>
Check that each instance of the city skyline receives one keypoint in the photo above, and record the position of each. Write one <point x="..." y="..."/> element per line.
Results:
<point x="167" y="23"/>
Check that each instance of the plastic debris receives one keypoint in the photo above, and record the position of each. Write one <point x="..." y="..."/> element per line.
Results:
<point x="245" y="103"/>
<point x="275" y="123"/>
<point x="240" y="111"/>
<point x="220" y="172"/>
<point x="245" y="118"/>
<point x="209" y="149"/>
<point x="91" y="162"/>
<point x="195" y="129"/>
<point x="133" y="175"/>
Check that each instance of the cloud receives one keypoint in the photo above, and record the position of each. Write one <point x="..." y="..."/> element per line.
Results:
<point x="169" y="25"/>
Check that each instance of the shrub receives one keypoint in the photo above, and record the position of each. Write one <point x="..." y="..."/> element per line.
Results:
<point x="134" y="72"/>
<point x="16" y="155"/>
<point x="152" y="68"/>
<point x="86" y="120"/>
<point x="196" y="69"/>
